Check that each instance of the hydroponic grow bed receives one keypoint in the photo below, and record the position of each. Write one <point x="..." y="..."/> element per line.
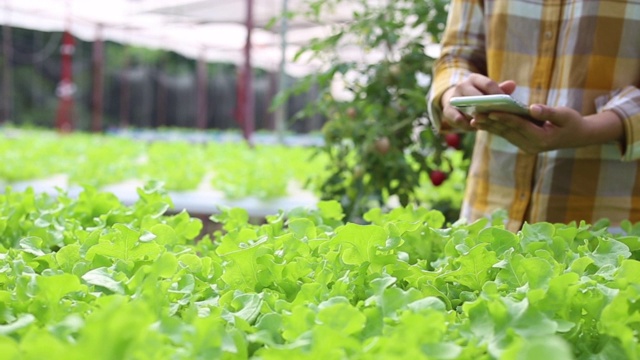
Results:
<point x="202" y="171"/>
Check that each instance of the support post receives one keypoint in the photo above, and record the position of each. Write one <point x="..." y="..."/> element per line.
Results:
<point x="125" y="90"/>
<point x="246" y="100"/>
<point x="201" y="89"/>
<point x="281" y="111"/>
<point x="66" y="87"/>
<point x="161" y="94"/>
<point x="7" y="70"/>
<point x="97" y="70"/>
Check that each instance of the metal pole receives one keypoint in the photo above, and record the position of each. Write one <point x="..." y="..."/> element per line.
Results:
<point x="98" y="81"/>
<point x="201" y="88"/>
<point x="125" y="89"/>
<point x="66" y="87"/>
<point x="7" y="86"/>
<point x="162" y="94"/>
<point x="281" y="111"/>
<point x="249" y="117"/>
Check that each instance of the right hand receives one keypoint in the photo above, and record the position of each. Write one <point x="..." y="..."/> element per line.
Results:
<point x="475" y="84"/>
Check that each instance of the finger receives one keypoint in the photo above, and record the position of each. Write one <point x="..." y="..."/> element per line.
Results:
<point x="487" y="123"/>
<point x="508" y="86"/>
<point x="525" y="134"/>
<point x="545" y="113"/>
<point x="460" y="123"/>
<point x="497" y="129"/>
<point x="468" y="89"/>
<point x="480" y="121"/>
<point x="515" y="136"/>
<point x="501" y="119"/>
<point x="507" y="124"/>
<point x="485" y="84"/>
<point x="515" y="129"/>
<point x="456" y="119"/>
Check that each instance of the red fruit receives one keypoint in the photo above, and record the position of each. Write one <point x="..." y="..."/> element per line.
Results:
<point x="352" y="113"/>
<point x="382" y="145"/>
<point x="437" y="177"/>
<point x="453" y="140"/>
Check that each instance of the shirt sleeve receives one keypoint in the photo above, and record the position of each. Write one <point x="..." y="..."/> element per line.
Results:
<point x="462" y="53"/>
<point x="626" y="103"/>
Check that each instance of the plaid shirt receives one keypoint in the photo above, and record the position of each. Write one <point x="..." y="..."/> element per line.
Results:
<point x="580" y="54"/>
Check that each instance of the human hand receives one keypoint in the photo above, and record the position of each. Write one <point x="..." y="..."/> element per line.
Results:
<point x="476" y="84"/>
<point x="562" y="127"/>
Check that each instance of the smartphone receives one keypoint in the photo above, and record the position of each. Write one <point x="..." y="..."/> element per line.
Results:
<point x="483" y="104"/>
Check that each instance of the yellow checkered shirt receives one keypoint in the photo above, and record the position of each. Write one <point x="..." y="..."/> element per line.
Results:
<point x="580" y="54"/>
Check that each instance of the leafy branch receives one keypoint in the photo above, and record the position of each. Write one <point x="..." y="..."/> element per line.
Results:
<point x="376" y="133"/>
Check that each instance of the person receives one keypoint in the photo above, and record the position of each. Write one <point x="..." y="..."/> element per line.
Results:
<point x="578" y="64"/>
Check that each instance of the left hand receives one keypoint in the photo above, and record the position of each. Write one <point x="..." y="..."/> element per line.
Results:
<point x="563" y="127"/>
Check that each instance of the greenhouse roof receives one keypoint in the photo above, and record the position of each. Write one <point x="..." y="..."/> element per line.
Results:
<point x="214" y="30"/>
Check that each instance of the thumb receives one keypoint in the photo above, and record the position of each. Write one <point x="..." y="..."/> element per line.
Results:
<point x="508" y="86"/>
<point x="546" y="113"/>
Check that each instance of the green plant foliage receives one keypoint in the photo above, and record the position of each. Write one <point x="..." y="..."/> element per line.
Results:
<point x="179" y="165"/>
<point x="377" y="142"/>
<point x="263" y="171"/>
<point x="234" y="168"/>
<point x="88" y="277"/>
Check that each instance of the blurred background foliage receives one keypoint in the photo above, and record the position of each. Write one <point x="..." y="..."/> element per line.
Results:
<point x="382" y="149"/>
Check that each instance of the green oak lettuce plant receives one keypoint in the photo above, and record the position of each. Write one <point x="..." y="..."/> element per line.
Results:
<point x="90" y="277"/>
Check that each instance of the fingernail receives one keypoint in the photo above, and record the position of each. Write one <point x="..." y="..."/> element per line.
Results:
<point x="535" y="110"/>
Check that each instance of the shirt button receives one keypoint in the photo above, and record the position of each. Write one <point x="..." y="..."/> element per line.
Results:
<point x="548" y="35"/>
<point x="523" y="196"/>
